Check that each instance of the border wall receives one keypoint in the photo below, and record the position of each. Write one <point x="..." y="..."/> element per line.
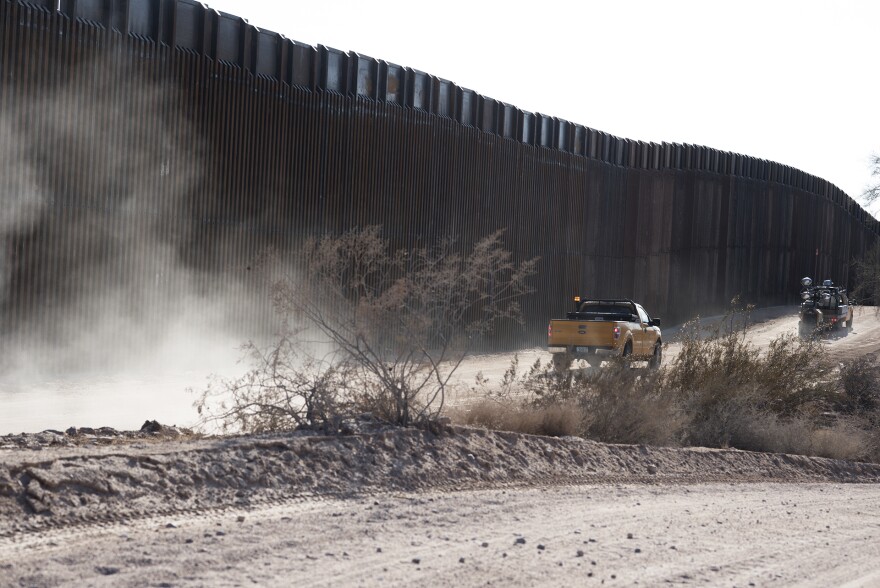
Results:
<point x="160" y="122"/>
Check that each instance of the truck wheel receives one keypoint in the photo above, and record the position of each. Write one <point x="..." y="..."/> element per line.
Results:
<point x="656" y="357"/>
<point x="627" y="351"/>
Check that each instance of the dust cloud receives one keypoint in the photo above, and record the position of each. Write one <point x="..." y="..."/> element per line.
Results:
<point x="112" y="302"/>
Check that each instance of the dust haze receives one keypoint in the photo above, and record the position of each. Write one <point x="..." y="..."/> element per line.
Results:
<point x="104" y="200"/>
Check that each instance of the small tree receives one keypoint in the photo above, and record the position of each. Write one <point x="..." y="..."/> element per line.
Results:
<point x="872" y="191"/>
<point x="284" y="389"/>
<point x="867" y="277"/>
<point x="397" y="323"/>
<point x="860" y="383"/>
<point x="867" y="270"/>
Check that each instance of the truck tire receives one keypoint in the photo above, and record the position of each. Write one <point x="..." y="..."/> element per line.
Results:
<point x="656" y="357"/>
<point x="627" y="350"/>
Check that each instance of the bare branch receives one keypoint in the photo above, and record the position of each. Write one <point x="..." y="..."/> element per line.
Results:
<point x="872" y="191"/>
<point x="399" y="321"/>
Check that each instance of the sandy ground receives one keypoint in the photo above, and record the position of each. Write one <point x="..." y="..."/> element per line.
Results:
<point x="450" y="508"/>
<point x="457" y="507"/>
<point x="581" y="535"/>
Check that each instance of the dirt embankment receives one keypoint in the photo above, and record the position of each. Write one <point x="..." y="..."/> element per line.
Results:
<point x="57" y="486"/>
<point x="453" y="508"/>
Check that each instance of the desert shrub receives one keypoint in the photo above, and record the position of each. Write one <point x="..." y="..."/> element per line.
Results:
<point x="733" y="394"/>
<point x="858" y="400"/>
<point x="758" y="430"/>
<point x="860" y="386"/>
<point x="395" y="325"/>
<point x="724" y="421"/>
<point x="539" y="385"/>
<point x="626" y="405"/>
<point x="537" y="400"/>
<point x="794" y="375"/>
<point x="720" y="358"/>
<point x="754" y="430"/>
<point x="785" y="379"/>
<point x="284" y="389"/>
<point x="727" y="394"/>
<point x="867" y="276"/>
<point x="741" y="425"/>
<point x="842" y="440"/>
<point x="872" y="441"/>
<point x="614" y="404"/>
<point x="719" y="391"/>
<point x="778" y="400"/>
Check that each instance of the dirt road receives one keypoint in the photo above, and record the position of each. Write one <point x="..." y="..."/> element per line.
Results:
<point x="613" y="535"/>
<point x="461" y="508"/>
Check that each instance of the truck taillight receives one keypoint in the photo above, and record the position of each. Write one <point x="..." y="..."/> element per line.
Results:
<point x="617" y="332"/>
<point x="549" y="330"/>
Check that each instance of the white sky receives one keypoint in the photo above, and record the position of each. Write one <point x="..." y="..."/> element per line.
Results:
<point x="794" y="81"/>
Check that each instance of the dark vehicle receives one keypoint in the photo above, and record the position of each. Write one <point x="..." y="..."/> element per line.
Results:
<point x="824" y="308"/>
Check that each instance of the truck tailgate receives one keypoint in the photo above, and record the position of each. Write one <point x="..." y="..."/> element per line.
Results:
<point x="564" y="332"/>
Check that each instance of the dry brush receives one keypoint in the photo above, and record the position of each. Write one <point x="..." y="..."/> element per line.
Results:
<point x="393" y="325"/>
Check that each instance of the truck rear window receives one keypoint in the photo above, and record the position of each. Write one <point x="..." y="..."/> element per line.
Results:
<point x="604" y="312"/>
<point x="606" y="308"/>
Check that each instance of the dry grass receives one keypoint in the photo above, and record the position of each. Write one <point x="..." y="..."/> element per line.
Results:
<point x="720" y="391"/>
<point x="625" y="405"/>
<point x="555" y="421"/>
<point x="615" y="404"/>
<point x="860" y="386"/>
<point x="843" y="440"/>
<point x="381" y="330"/>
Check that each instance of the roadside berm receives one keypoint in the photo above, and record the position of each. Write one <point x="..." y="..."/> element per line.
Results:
<point x="85" y="480"/>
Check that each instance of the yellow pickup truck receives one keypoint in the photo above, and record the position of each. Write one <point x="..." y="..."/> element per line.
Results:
<point x="604" y="329"/>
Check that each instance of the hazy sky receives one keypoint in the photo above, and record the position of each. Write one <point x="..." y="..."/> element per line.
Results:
<point x="792" y="81"/>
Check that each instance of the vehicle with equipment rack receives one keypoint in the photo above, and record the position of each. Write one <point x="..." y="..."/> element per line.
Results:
<point x="823" y="308"/>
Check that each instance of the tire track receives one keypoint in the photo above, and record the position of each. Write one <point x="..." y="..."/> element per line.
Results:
<point x="528" y="462"/>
